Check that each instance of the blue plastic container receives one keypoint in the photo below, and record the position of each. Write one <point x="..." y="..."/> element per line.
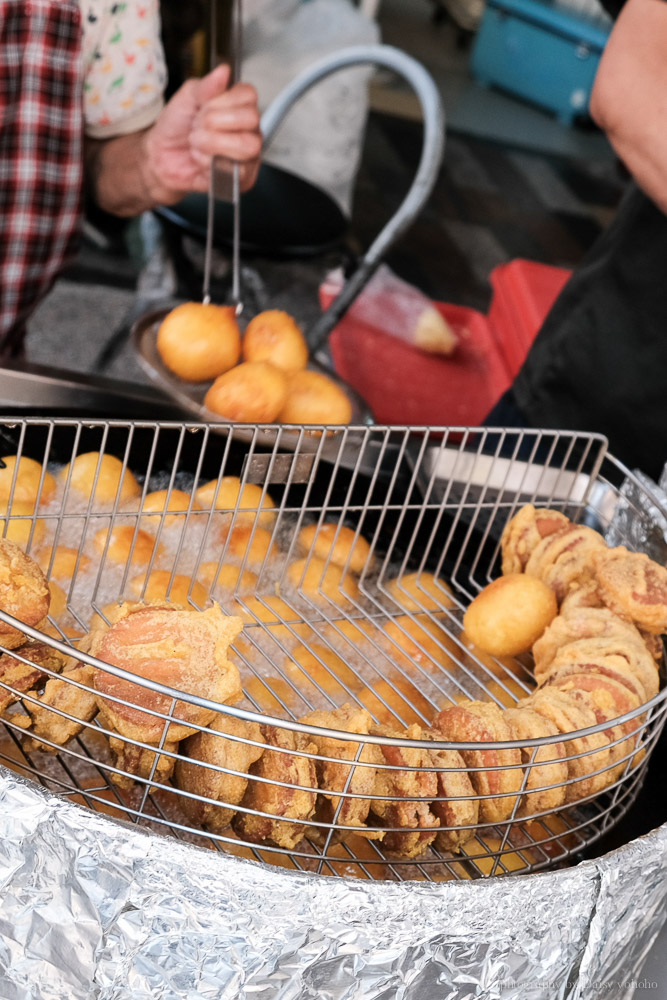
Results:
<point x="541" y="51"/>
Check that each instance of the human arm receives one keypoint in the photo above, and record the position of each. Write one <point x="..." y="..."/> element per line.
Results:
<point x="629" y="98"/>
<point x="160" y="165"/>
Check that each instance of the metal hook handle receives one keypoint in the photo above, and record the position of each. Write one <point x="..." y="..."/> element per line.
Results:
<point x="235" y="56"/>
<point x="431" y="157"/>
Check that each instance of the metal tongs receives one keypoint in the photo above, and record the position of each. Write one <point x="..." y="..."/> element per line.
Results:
<point x="234" y="56"/>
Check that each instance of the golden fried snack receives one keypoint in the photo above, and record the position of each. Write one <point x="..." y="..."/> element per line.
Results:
<point x="185" y="650"/>
<point x="161" y="586"/>
<point x="587" y="595"/>
<point x="19" y="524"/>
<point x="62" y="695"/>
<point x="356" y="631"/>
<point x="267" y="609"/>
<point x="487" y="854"/>
<point x="156" y="504"/>
<point x="63" y="562"/>
<point x="228" y="578"/>
<point x="509" y="614"/>
<point x="272" y="695"/>
<point x="423" y="642"/>
<point x="24" y="677"/>
<point x="654" y="644"/>
<point x="396" y="702"/>
<point x="472" y="657"/>
<point x="349" y="859"/>
<point x="335" y="777"/>
<point x="275" y="615"/>
<point x="337" y="543"/>
<point x="33" y="484"/>
<point x="564" y="559"/>
<point x="524" y="532"/>
<point x="314" y="398"/>
<point x="607" y="699"/>
<point x="579" y="623"/>
<point x="633" y="587"/>
<point x="126" y="543"/>
<point x="629" y="663"/>
<point x="227" y="789"/>
<point x="568" y="716"/>
<point x="420" y="788"/>
<point x="615" y="668"/>
<point x="58" y="604"/>
<point x="109" y="615"/>
<point x="483" y="722"/>
<point x="274" y="336"/>
<point x="322" y="584"/>
<point x="545" y="766"/>
<point x="101" y="476"/>
<point x="246" y="502"/>
<point x="24" y="592"/>
<point x="573" y="569"/>
<point x="286" y="764"/>
<point x="458" y="809"/>
<point x="198" y="341"/>
<point x="507" y="691"/>
<point x="253" y="392"/>
<point x="250" y="545"/>
<point x="420" y="591"/>
<point x="321" y="666"/>
<point x="139" y="762"/>
<point x="61" y="633"/>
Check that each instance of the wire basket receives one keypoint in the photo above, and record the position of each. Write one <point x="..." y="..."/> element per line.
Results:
<point x="372" y="631"/>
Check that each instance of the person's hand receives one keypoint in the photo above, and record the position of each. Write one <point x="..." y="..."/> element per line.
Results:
<point x="202" y="120"/>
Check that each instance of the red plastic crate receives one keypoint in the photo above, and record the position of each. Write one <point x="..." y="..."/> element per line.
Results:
<point x="403" y="385"/>
<point x="523" y="293"/>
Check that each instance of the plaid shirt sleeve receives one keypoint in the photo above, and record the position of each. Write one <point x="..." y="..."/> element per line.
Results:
<point x="124" y="65"/>
<point x="41" y="156"/>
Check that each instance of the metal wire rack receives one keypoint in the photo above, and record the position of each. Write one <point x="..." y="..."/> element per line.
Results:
<point x="412" y="519"/>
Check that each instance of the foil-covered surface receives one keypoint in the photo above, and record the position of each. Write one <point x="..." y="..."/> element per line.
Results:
<point x="648" y="531"/>
<point x="92" y="907"/>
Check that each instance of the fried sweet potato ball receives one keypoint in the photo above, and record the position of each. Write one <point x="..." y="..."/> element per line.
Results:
<point x="274" y="336"/>
<point x="198" y="341"/>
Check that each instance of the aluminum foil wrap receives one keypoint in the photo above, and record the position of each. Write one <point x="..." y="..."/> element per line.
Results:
<point x="647" y="533"/>
<point x="91" y="907"/>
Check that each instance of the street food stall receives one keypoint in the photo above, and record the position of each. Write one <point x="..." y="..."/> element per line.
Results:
<point x="329" y="706"/>
<point x="323" y="581"/>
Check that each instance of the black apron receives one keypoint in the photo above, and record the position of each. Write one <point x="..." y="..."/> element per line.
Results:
<point x="599" y="362"/>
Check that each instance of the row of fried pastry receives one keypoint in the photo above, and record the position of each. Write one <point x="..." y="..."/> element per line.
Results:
<point x="592" y="665"/>
<point x="443" y="800"/>
<point x="133" y="723"/>
<point x="433" y="795"/>
<point x="591" y="668"/>
<point x="604" y="647"/>
<point x="559" y="772"/>
<point x="584" y="572"/>
<point x="164" y="645"/>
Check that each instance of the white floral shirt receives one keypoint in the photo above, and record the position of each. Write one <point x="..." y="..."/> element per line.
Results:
<point x="125" y="73"/>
